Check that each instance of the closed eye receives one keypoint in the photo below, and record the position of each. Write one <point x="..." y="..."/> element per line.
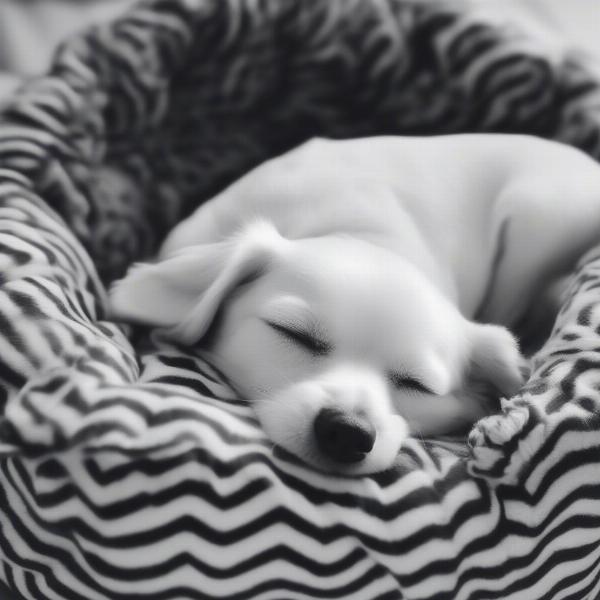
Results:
<point x="303" y="338"/>
<point x="406" y="382"/>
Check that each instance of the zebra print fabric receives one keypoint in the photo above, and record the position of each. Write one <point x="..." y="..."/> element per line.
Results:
<point x="128" y="467"/>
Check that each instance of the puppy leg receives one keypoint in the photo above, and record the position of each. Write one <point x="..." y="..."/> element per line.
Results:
<point x="541" y="232"/>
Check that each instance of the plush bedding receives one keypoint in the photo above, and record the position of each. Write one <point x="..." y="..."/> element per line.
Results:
<point x="128" y="467"/>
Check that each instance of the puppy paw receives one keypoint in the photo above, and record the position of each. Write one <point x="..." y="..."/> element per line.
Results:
<point x="503" y="444"/>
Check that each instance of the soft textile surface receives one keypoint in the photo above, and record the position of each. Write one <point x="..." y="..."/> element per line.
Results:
<point x="137" y="473"/>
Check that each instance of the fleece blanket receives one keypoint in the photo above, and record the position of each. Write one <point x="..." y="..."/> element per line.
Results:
<point x="128" y="468"/>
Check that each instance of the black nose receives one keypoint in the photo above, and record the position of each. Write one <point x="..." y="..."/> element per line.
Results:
<point x="346" y="438"/>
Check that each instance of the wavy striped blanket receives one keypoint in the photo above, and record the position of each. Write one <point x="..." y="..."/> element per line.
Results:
<point x="129" y="469"/>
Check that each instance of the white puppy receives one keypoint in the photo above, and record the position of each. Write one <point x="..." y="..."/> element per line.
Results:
<point x="340" y="286"/>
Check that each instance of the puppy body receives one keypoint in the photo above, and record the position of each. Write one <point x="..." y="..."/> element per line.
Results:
<point x="452" y="205"/>
<point x="337" y="285"/>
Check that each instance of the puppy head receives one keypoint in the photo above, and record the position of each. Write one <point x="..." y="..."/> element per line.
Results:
<point x="342" y="346"/>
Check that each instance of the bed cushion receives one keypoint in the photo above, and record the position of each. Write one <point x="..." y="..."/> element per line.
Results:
<point x="129" y="468"/>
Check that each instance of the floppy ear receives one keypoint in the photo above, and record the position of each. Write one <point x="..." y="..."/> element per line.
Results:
<point x="496" y="360"/>
<point x="184" y="292"/>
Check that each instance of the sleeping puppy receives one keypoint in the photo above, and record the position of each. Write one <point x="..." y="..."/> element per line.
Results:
<point x="358" y="291"/>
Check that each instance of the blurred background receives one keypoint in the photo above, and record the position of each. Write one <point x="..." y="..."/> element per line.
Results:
<point x="30" y="30"/>
<point x="574" y="21"/>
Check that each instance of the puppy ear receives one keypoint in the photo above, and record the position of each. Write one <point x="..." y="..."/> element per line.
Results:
<point x="184" y="292"/>
<point x="496" y="360"/>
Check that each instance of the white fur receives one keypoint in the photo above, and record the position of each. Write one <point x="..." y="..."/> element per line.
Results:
<point x="383" y="249"/>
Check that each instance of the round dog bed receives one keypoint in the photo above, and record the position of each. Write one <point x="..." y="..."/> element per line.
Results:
<point x="129" y="469"/>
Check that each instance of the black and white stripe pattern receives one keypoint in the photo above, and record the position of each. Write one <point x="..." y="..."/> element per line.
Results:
<point x="134" y="472"/>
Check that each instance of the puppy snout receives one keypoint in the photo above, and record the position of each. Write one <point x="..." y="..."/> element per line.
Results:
<point x="343" y="437"/>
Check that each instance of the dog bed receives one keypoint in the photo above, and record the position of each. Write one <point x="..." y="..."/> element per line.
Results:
<point x="128" y="467"/>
